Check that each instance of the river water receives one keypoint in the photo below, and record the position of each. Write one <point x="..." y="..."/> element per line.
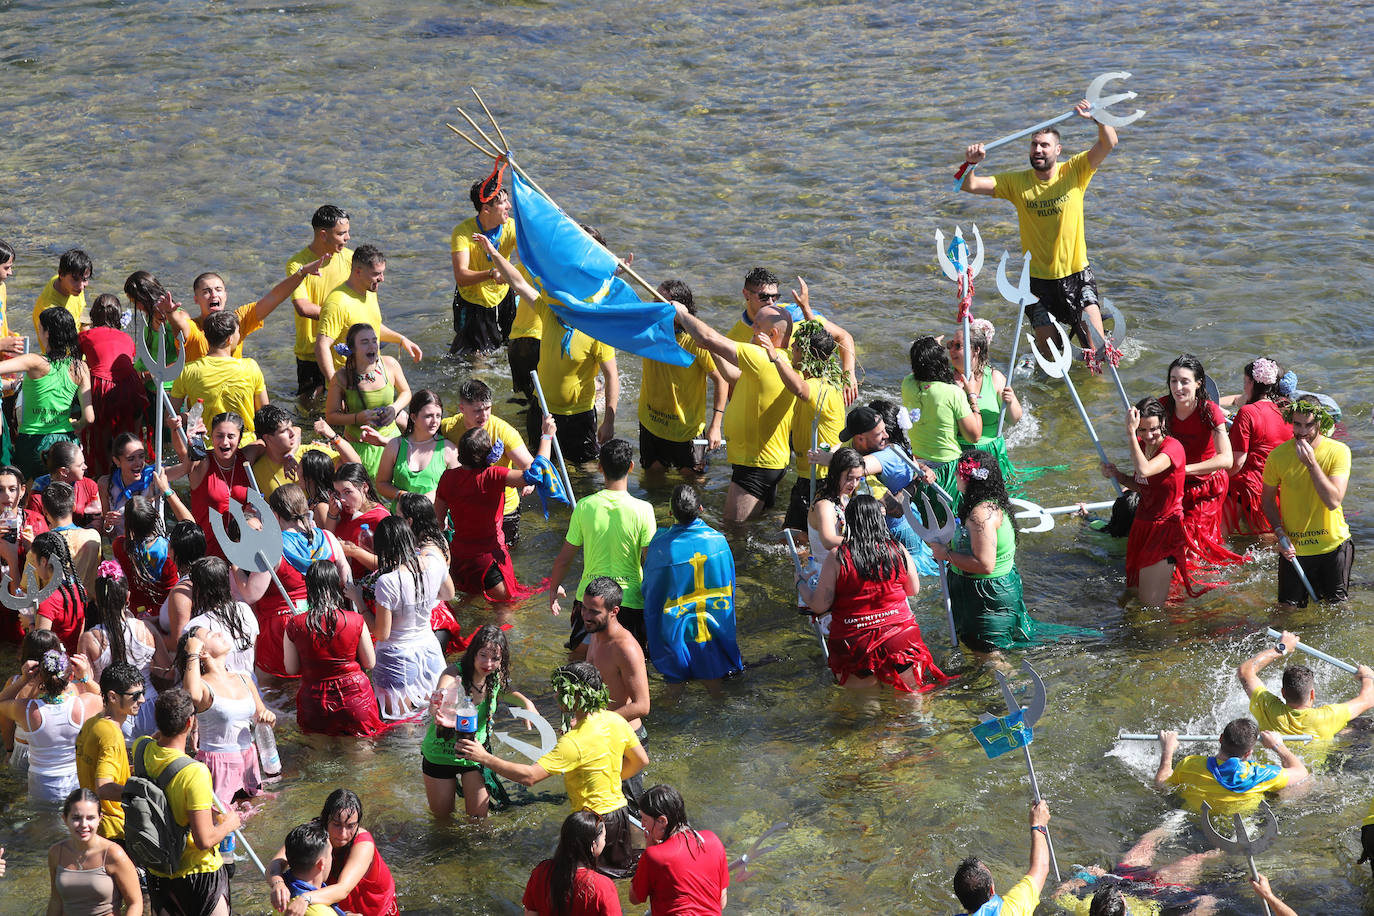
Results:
<point x="815" y="139"/>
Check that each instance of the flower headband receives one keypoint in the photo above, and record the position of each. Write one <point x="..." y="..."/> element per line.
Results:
<point x="968" y="466"/>
<point x="54" y="661"/>
<point x="1265" y="371"/>
<point x="109" y="569"/>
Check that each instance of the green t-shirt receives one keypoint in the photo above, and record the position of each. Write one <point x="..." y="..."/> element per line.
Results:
<point x="937" y="408"/>
<point x="439" y="750"/>
<point x="612" y="528"/>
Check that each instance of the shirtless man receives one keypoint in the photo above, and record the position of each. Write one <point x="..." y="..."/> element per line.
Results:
<point x="618" y="656"/>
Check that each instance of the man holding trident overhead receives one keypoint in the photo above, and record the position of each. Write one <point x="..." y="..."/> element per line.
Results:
<point x="1049" y="206"/>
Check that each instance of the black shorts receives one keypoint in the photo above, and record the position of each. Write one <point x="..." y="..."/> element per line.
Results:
<point x="799" y="505"/>
<point x="523" y="354"/>
<point x="576" y="434"/>
<point x="510" y="527"/>
<point x="657" y="450"/>
<point x="193" y="895"/>
<point x="760" y="483"/>
<point x="309" y="378"/>
<point x="631" y="618"/>
<point x="1064" y="298"/>
<point x="435" y="770"/>
<point x="1329" y="574"/>
<point x="475" y="328"/>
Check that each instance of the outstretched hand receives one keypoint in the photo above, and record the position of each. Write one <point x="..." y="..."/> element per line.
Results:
<point x="1084" y="109"/>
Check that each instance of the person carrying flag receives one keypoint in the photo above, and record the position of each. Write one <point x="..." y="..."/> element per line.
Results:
<point x="977" y="893"/>
<point x="483" y="303"/>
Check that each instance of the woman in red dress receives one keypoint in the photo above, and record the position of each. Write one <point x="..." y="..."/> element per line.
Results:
<point x="864" y="585"/>
<point x="116" y="388"/>
<point x="220" y="476"/>
<point x="569" y="884"/>
<point x="1258" y="427"/>
<point x="1199" y="425"/>
<point x="354" y="515"/>
<point x="329" y="648"/>
<point x="1157" y="549"/>
<point x="358" y="882"/>
<point x="474" y="495"/>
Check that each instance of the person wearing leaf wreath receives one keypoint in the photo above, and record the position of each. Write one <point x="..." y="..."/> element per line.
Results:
<point x="596" y="752"/>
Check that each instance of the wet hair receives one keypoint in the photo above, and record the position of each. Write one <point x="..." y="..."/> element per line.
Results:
<point x="616" y="458"/>
<point x="187" y="540"/>
<point x="1259" y="391"/>
<point x="474" y="449"/>
<point x="59" y="499"/>
<point x="60" y="329"/>
<point x="118" y="677"/>
<point x="355" y="474"/>
<point x="1298" y="683"/>
<point x="368" y="256"/>
<point x="1154" y="407"/>
<point x="929" y="363"/>
<point x="889" y="412"/>
<point x="418" y="401"/>
<point x="306" y="846"/>
<point x="418" y="510"/>
<point x="816" y="341"/>
<point x="1194" y="365"/>
<point x="62" y="454"/>
<point x="1238" y="737"/>
<point x="869" y="547"/>
<point x="75" y="263"/>
<point x="760" y="276"/>
<point x="607" y="589"/>
<point x="317" y="475"/>
<point x="397" y="551"/>
<point x="227" y="416"/>
<point x="289" y="504"/>
<point x="678" y="291"/>
<point x="574" y="852"/>
<point x="6" y="252"/>
<point x="991" y="489"/>
<point x="340" y="801"/>
<point x="220" y="328"/>
<point x="324" y="598"/>
<point x="595" y="234"/>
<point x="142" y="518"/>
<point x="269" y="419"/>
<point x="173" y="711"/>
<point x="1107" y="902"/>
<point x="844" y="459"/>
<point x="972" y="883"/>
<point x="122" y="441"/>
<point x="665" y="801"/>
<point x="52" y="545"/>
<point x="110" y="600"/>
<point x="77" y="796"/>
<point x="474" y="391"/>
<point x="485" y="191"/>
<point x="105" y="311"/>
<point x="685" y="504"/>
<point x="143" y="290"/>
<point x="487" y="636"/>
<point x="327" y="217"/>
<point x="211" y="597"/>
<point x="351" y="363"/>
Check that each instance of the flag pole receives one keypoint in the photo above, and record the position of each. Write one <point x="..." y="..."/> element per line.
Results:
<point x="1014" y="706"/>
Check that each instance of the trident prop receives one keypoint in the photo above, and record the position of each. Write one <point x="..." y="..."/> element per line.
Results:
<point x="1020" y="296"/>
<point x="757" y="850"/>
<point x="815" y="621"/>
<point x="557" y="452"/>
<point x="1057" y="366"/>
<point x="962" y="271"/>
<point x="256" y="550"/>
<point x="547" y="739"/>
<point x="1243" y="844"/>
<point x="1030" y="715"/>
<point x="1315" y="653"/>
<point x="1099" y="113"/>
<point x="1044" y="518"/>
<point x="27" y="601"/>
<point x="1112" y="354"/>
<point x="247" y="846"/>
<point x="1145" y="736"/>
<point x="1297" y="567"/>
<point x="941" y="534"/>
<point x="161" y="371"/>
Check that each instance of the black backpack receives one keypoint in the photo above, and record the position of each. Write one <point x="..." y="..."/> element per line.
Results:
<point x="152" y="835"/>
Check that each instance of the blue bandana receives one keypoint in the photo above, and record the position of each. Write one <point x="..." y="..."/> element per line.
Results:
<point x="300" y="551"/>
<point x="991" y="908"/>
<point x="1236" y="775"/>
<point x="546" y="482"/>
<point x="142" y="482"/>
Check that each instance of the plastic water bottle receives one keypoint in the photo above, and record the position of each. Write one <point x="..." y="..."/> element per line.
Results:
<point x="365" y="537"/>
<point x="465" y="719"/>
<point x="266" y="739"/>
<point x="226" y="848"/>
<point x="446" y="716"/>
<point x="196" y="412"/>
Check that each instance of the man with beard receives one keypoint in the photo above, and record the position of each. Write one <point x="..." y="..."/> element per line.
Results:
<point x="1310" y="473"/>
<point x="1049" y="206"/>
<point x="355" y="302"/>
<point x="618" y="656"/>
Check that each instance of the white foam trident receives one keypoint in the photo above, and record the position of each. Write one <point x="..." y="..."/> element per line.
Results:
<point x="547" y="739"/>
<point x="1056" y="365"/>
<point x="938" y="534"/>
<point x="27" y="601"/>
<point x="1020" y="296"/>
<point x="961" y="270"/>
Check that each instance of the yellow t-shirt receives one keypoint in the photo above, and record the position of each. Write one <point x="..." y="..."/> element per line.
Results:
<point x="190" y="790"/>
<point x="4" y="314"/>
<point x="196" y="344"/>
<point x="672" y="399"/>
<point x="315" y="289"/>
<point x="1021" y="900"/>
<point x="1081" y="906"/>
<point x="270" y="475"/>
<point x="590" y="757"/>
<point x="102" y="754"/>
<point x="569" y="382"/>
<point x="1274" y="715"/>
<point x="342" y="309"/>
<point x="452" y="428"/>
<point x="223" y="383"/>
<point x="488" y="293"/>
<point x="830" y="402"/>
<point x="758" y="419"/>
<point x="1196" y="785"/>
<point x="50" y="297"/>
<point x="1051" y="215"/>
<point x="1313" y="528"/>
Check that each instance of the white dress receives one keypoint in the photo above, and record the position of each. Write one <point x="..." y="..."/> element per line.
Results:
<point x="240" y="659"/>
<point x="409" y="660"/>
<point x="141" y="657"/>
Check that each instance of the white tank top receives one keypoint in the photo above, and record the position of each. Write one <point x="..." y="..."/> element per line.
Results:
<point x="52" y="745"/>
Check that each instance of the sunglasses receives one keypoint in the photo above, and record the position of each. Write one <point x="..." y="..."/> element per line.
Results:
<point x="135" y="695"/>
<point x="767" y="297"/>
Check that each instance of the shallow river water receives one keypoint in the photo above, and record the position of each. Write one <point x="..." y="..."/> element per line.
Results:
<point x="815" y="139"/>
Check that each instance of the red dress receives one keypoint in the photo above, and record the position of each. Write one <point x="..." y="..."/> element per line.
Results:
<point x="594" y="894"/>
<point x="872" y="631"/>
<point x="117" y="392"/>
<point x="273" y="613"/>
<point x="1157" y="532"/>
<point x="1203" y="497"/>
<point x="1258" y="427"/>
<point x="335" y="697"/>
<point x="213" y="495"/>
<point x="68" y="615"/>
<point x="350" y="529"/>
<point x="476" y="501"/>
<point x="375" y="892"/>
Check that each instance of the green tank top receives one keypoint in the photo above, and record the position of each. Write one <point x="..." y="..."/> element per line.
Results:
<point x="48" y="400"/>
<point x="990" y="407"/>
<point x="357" y="401"/>
<point x="425" y="480"/>
<point x="435" y="750"/>
<point x="1006" y="550"/>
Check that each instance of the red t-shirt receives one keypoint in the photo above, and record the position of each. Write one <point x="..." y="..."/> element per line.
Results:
<point x="351" y="529"/>
<point x="68" y="615"/>
<point x="1162" y="495"/>
<point x="375" y="892"/>
<point x="476" y="501"/>
<point x="595" y="894"/>
<point x="1257" y="429"/>
<point x="85" y="507"/>
<point x="1196" y="432"/>
<point x="680" y="877"/>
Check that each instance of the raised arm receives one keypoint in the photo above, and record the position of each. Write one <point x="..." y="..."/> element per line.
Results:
<point x="279" y="293"/>
<point x="1248" y="672"/>
<point x="1106" y="135"/>
<point x="1168" y="742"/>
<point x="974" y="183"/>
<point x="706" y="336"/>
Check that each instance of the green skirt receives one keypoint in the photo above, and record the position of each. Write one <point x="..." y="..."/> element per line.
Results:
<point x="1015" y="478"/>
<point x="990" y="614"/>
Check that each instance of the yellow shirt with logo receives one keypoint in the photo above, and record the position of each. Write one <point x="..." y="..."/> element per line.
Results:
<point x="315" y="289"/>
<point x="223" y="383"/>
<point x="590" y="757"/>
<point x="1050" y="214"/>
<point x="488" y="293"/>
<point x="569" y="382"/>
<point x="1313" y="528"/>
<point x="342" y="309"/>
<point x="270" y="475"/>
<point x="758" y="419"/>
<point x="452" y="429"/>
<point x="1274" y="715"/>
<point x="50" y="298"/>
<point x="672" y="399"/>
<point x="190" y="790"/>
<point x="1196" y="785"/>
<point x="196" y="344"/>
<point x="828" y="399"/>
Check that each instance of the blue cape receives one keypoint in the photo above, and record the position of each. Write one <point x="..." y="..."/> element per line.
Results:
<point x="689" y="603"/>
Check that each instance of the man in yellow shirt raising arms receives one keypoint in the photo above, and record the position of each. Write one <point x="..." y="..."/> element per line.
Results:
<point x="1297" y="713"/>
<point x="973" y="883"/>
<point x="355" y="302"/>
<point x="1049" y="206"/>
<point x="330" y="225"/>
<point x="67" y="289"/>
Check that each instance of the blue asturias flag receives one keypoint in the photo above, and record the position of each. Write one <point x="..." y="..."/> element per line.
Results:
<point x="1000" y="735"/>
<point x="689" y="603"/>
<point x="546" y="482"/>
<point x="578" y="279"/>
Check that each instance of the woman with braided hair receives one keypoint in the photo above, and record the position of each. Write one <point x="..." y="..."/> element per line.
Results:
<point x="1258" y="427"/>
<point x="64" y="611"/>
<point x="118" y="636"/>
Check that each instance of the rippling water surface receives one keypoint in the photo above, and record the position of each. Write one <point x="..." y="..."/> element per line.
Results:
<point x="816" y="139"/>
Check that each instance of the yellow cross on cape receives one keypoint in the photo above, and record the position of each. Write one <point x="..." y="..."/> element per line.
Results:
<point x="700" y="599"/>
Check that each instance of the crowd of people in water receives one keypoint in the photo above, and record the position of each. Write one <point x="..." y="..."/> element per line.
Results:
<point x="147" y="620"/>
